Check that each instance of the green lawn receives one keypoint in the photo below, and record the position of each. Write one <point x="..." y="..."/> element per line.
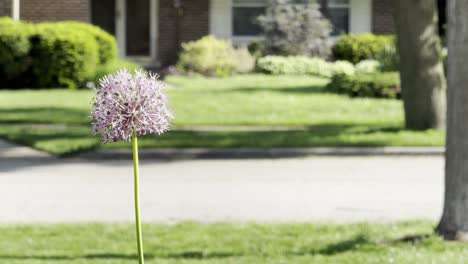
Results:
<point x="282" y="111"/>
<point x="229" y="243"/>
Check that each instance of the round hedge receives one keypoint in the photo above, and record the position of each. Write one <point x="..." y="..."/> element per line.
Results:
<point x="107" y="44"/>
<point x="14" y="51"/>
<point x="61" y="57"/>
<point x="355" y="48"/>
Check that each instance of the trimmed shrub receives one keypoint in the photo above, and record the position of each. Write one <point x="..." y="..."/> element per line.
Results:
<point x="107" y="43"/>
<point x="343" y="67"/>
<point x="256" y="48"/>
<point x="61" y="57"/>
<point x="7" y="21"/>
<point x="296" y="29"/>
<point x="379" y="85"/>
<point x="14" y="51"/>
<point x="367" y="66"/>
<point x="355" y="48"/>
<point x="112" y="67"/>
<point x="208" y="56"/>
<point x="300" y="65"/>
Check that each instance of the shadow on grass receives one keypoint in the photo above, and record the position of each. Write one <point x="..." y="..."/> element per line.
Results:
<point x="199" y="255"/>
<point x="344" y="246"/>
<point x="44" y="115"/>
<point x="307" y="89"/>
<point x="83" y="257"/>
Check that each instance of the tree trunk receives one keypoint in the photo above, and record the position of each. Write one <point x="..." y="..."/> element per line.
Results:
<point x="454" y="223"/>
<point x="422" y="74"/>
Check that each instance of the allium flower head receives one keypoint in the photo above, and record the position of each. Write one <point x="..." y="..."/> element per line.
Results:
<point x="127" y="103"/>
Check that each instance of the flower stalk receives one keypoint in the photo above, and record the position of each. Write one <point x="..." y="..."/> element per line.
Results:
<point x="141" y="258"/>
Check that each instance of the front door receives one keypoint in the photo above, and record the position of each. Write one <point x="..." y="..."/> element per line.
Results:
<point x="133" y="23"/>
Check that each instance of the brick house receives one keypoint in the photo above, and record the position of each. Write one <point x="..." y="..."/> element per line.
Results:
<point x="150" y="29"/>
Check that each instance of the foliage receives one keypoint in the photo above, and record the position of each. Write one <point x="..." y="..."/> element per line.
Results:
<point x="343" y="67"/>
<point x="312" y="116"/>
<point x="379" y="85"/>
<point x="14" y="51"/>
<point x="112" y="67"/>
<point x="355" y="48"/>
<point x="368" y="66"/>
<point x="63" y="54"/>
<point x="245" y="62"/>
<point x="208" y="56"/>
<point x="256" y="48"/>
<point x="62" y="57"/>
<point x="298" y="65"/>
<point x="389" y="59"/>
<point x="107" y="43"/>
<point x="295" y="29"/>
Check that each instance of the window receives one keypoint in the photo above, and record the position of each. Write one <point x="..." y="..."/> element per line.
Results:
<point x="245" y="13"/>
<point x="338" y="13"/>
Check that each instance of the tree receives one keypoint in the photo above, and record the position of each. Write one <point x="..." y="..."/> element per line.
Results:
<point x="422" y="74"/>
<point x="292" y="27"/>
<point x="454" y="222"/>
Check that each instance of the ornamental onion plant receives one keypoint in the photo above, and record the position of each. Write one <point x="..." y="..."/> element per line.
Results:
<point x="126" y="106"/>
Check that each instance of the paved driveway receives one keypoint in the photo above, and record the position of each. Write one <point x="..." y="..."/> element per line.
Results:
<point x="36" y="188"/>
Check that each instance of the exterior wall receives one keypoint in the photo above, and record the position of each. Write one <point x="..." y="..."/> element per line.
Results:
<point x="54" y="10"/>
<point x="5" y="8"/>
<point x="221" y="18"/>
<point x="382" y="17"/>
<point x="360" y="16"/>
<point x="193" y="24"/>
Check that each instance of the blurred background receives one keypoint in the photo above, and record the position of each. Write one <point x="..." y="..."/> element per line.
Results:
<point x="305" y="131"/>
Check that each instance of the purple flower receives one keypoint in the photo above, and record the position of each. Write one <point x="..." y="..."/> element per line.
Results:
<point x="127" y="103"/>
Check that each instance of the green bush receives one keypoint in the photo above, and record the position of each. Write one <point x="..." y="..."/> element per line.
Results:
<point x="355" y="48"/>
<point x="301" y="65"/>
<point x="112" y="67"/>
<point x="14" y="51"/>
<point x="389" y="59"/>
<point x="61" y="57"/>
<point x="107" y="43"/>
<point x="256" y="48"/>
<point x="379" y="85"/>
<point x="208" y="56"/>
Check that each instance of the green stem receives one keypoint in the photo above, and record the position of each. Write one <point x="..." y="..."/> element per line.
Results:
<point x="137" y="198"/>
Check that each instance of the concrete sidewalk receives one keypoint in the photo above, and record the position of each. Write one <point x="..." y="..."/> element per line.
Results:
<point x="37" y="188"/>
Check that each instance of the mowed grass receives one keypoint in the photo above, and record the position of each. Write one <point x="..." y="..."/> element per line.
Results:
<point x="407" y="242"/>
<point x="241" y="111"/>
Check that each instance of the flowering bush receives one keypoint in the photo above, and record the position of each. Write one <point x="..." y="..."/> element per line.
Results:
<point x="300" y="65"/>
<point x="290" y="28"/>
<point x="208" y="56"/>
<point x="367" y="66"/>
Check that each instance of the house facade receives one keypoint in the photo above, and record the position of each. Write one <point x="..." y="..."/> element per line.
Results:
<point x="150" y="30"/>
